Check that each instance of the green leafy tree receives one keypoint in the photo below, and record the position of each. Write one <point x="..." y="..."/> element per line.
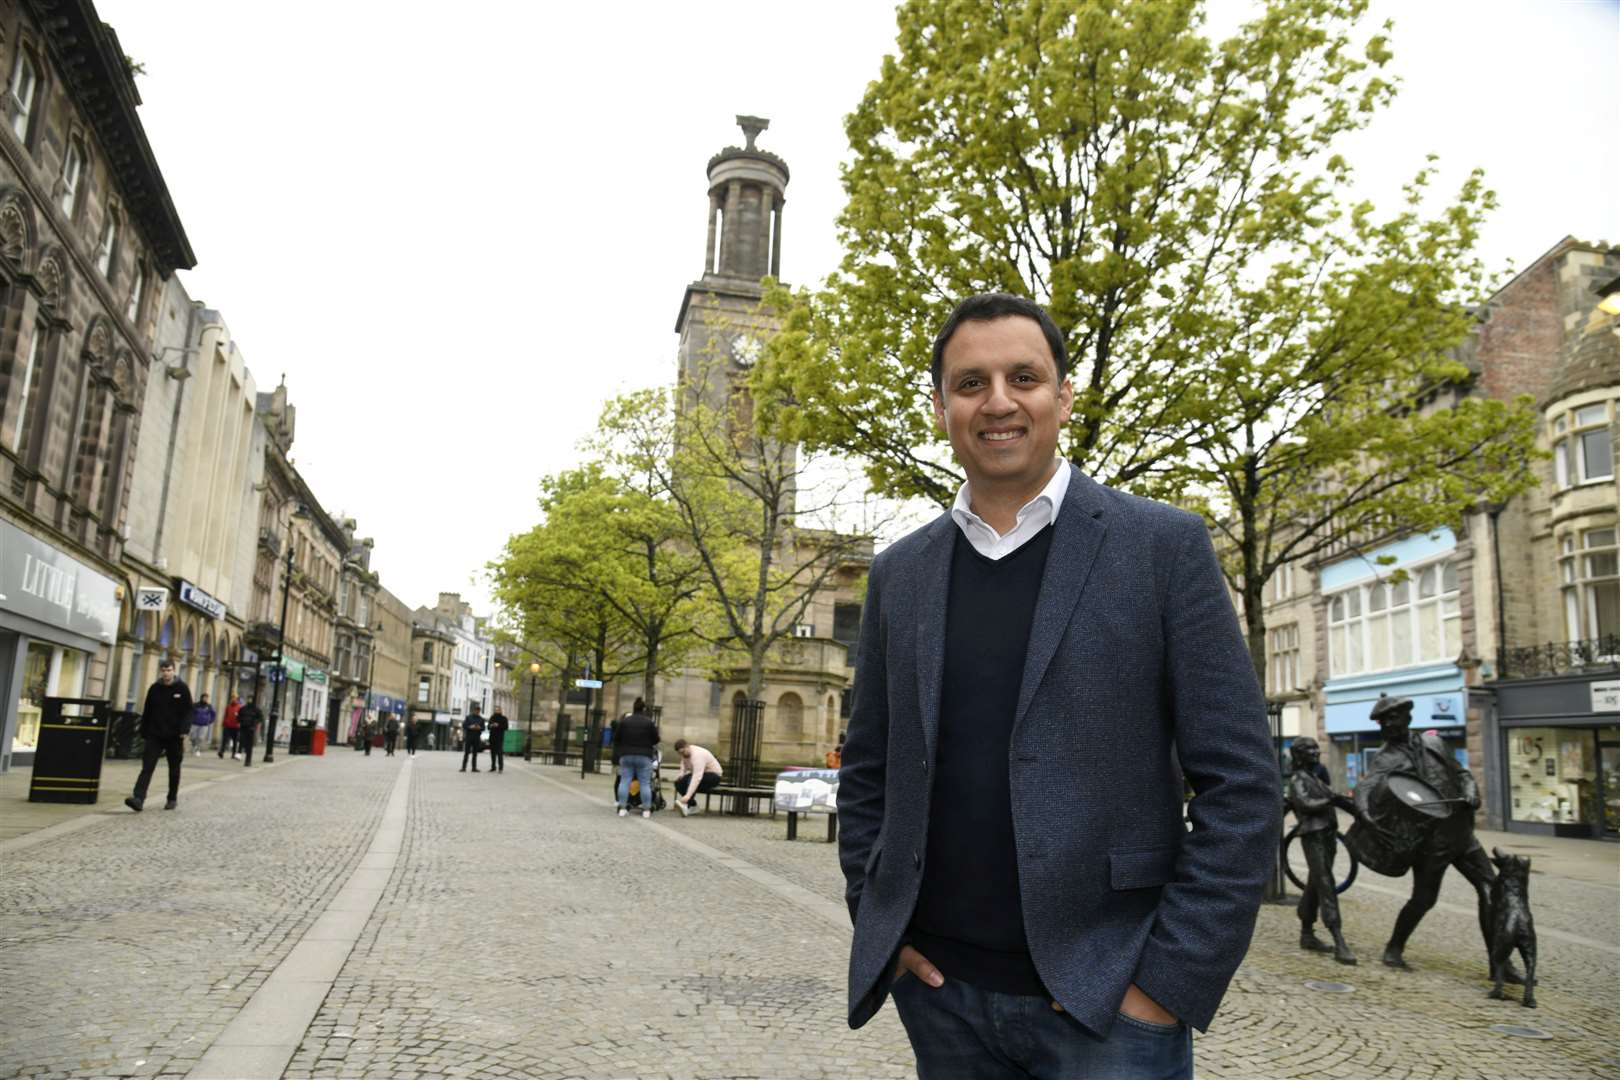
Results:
<point x="740" y="496"/>
<point x="1240" y="338"/>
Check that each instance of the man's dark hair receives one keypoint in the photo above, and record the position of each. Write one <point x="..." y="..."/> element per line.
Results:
<point x="639" y="706"/>
<point x="987" y="306"/>
<point x="165" y="662"/>
<point x="681" y="744"/>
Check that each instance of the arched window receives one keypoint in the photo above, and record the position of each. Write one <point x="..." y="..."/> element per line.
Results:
<point x="188" y="643"/>
<point x="790" y="716"/>
<point x="166" y="635"/>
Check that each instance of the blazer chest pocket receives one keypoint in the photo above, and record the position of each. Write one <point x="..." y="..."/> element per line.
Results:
<point x="1141" y="869"/>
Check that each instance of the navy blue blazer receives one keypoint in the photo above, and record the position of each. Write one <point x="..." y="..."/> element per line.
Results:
<point x="1136" y="676"/>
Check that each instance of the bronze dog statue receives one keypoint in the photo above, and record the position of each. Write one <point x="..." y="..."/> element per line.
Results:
<point x="1511" y="924"/>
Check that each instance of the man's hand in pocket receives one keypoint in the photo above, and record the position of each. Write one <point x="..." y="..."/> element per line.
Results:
<point x="915" y="962"/>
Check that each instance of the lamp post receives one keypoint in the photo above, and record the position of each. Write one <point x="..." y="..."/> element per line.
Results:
<point x="534" y="680"/>
<point x="1277" y="886"/>
<point x="281" y="643"/>
<point x="371" y="674"/>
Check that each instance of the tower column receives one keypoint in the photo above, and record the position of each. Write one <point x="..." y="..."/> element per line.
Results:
<point x="714" y="210"/>
<point x="729" y="240"/>
<point x="776" y="241"/>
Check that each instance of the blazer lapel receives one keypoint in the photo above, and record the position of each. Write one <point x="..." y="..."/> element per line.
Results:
<point x="932" y="583"/>
<point x="1078" y="535"/>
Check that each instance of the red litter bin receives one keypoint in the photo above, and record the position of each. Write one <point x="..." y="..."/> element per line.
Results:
<point x="317" y="744"/>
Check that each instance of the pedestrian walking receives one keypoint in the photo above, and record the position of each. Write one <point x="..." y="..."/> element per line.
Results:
<point x="390" y="733"/>
<point x="410" y="739"/>
<point x="1041" y="622"/>
<point x="228" y="727"/>
<point x="248" y="721"/>
<point x="165" y="721"/>
<point x="472" y="731"/>
<point x="202" y="724"/>
<point x="497" y="740"/>
<point x="699" y="765"/>
<point x="365" y="734"/>
<point x="634" y="744"/>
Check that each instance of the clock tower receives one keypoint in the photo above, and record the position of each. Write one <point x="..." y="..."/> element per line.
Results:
<point x="720" y="322"/>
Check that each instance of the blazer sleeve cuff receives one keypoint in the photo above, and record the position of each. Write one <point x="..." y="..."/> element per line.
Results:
<point x="1176" y="990"/>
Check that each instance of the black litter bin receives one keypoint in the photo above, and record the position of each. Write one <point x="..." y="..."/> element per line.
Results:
<point x="302" y="738"/>
<point x="72" y="740"/>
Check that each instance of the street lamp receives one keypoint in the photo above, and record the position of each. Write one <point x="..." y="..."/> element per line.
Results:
<point x="281" y="640"/>
<point x="371" y="676"/>
<point x="534" y="678"/>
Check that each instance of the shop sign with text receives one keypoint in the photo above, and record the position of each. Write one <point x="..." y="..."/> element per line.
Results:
<point x="52" y="586"/>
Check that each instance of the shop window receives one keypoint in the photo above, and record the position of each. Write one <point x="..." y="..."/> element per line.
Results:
<point x="47" y="671"/>
<point x="1554" y="776"/>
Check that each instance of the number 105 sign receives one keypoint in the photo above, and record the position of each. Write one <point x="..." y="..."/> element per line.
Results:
<point x="1606" y="696"/>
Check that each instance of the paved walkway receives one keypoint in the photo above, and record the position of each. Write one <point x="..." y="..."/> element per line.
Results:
<point x="391" y="917"/>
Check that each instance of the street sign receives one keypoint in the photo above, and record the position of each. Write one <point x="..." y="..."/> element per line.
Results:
<point x="588" y="684"/>
<point x="275" y="674"/>
<point x="154" y="600"/>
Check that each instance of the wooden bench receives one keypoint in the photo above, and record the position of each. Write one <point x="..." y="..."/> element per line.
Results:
<point x="832" y="822"/>
<point x="742" y="793"/>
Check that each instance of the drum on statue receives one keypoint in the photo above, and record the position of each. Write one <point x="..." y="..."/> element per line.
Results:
<point x="1402" y="812"/>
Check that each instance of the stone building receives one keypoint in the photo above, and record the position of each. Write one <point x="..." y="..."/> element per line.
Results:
<point x="722" y="328"/>
<point x="1551" y="715"/>
<point x="433" y="669"/>
<point x="351" y="690"/>
<point x="393" y="681"/>
<point x="87" y="234"/>
<point x="1342" y="630"/>
<point x="193" y="510"/>
<point x="300" y="587"/>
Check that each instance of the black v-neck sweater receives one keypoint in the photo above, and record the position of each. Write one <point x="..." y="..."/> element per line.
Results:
<point x="969" y="917"/>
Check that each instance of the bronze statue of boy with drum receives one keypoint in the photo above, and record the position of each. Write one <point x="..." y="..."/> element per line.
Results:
<point x="1313" y="803"/>
<point x="1415" y="810"/>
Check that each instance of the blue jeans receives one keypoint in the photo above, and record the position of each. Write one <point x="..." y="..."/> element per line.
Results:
<point x="639" y="766"/>
<point x="960" y="1030"/>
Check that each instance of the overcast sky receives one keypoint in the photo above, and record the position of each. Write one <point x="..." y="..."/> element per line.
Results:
<point x="458" y="230"/>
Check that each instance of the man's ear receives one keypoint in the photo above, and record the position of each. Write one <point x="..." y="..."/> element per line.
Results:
<point x="939" y="411"/>
<point x="1066" y="400"/>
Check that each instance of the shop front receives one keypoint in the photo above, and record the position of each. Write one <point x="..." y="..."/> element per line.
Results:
<point x="317" y="688"/>
<point x="1439" y="703"/>
<point x="1557" y="766"/>
<point x="56" y="616"/>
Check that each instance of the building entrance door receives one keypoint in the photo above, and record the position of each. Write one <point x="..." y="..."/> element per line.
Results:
<point x="1609" y="786"/>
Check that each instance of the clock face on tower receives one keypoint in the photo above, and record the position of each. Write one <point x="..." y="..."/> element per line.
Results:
<point x="746" y="349"/>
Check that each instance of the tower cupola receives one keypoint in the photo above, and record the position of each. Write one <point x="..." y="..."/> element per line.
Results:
<point x="746" y="193"/>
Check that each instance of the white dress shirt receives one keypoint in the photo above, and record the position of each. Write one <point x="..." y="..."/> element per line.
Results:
<point x="1033" y="516"/>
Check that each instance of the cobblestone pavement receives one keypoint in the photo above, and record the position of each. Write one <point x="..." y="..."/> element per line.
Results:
<point x="526" y="931"/>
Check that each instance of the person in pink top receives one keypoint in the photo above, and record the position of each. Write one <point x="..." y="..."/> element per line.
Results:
<point x="698" y="763"/>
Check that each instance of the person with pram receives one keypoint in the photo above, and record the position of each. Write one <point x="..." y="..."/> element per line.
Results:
<point x="635" y="747"/>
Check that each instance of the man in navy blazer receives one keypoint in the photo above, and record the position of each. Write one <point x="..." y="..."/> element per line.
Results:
<point x="1039" y="671"/>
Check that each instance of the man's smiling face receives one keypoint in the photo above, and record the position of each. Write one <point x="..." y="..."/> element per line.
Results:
<point x="1002" y="404"/>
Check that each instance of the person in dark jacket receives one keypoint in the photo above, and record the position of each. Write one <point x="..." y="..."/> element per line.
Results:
<point x="165" y="723"/>
<point x="634" y="744"/>
<point x="472" y="733"/>
<point x="497" y="740"/>
<point x="391" y="734"/>
<point x="247" y="725"/>
<point x="410" y="738"/>
<point x="365" y="728"/>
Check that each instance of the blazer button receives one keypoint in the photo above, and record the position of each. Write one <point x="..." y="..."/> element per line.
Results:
<point x="925" y="764"/>
<point x="916" y="859"/>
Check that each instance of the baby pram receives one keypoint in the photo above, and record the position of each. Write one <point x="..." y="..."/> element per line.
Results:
<point x="657" y="802"/>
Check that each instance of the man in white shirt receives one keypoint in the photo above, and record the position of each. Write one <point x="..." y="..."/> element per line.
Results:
<point x="696" y="764"/>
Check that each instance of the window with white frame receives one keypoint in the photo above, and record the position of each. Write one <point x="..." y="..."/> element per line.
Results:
<point x="1581" y="446"/>
<point x="1282" y="665"/>
<point x="107" y="244"/>
<point x="25" y="387"/>
<point x="72" y="173"/>
<point x="423" y="684"/>
<point x="1282" y="582"/>
<point x="132" y="310"/>
<point x="24" y="88"/>
<point x="1591" y="581"/>
<point x="1385" y="625"/>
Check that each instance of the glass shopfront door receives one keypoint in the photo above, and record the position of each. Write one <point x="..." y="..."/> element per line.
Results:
<point x="1609" y="780"/>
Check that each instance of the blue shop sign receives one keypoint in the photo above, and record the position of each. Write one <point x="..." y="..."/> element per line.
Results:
<point x="1439" y="698"/>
